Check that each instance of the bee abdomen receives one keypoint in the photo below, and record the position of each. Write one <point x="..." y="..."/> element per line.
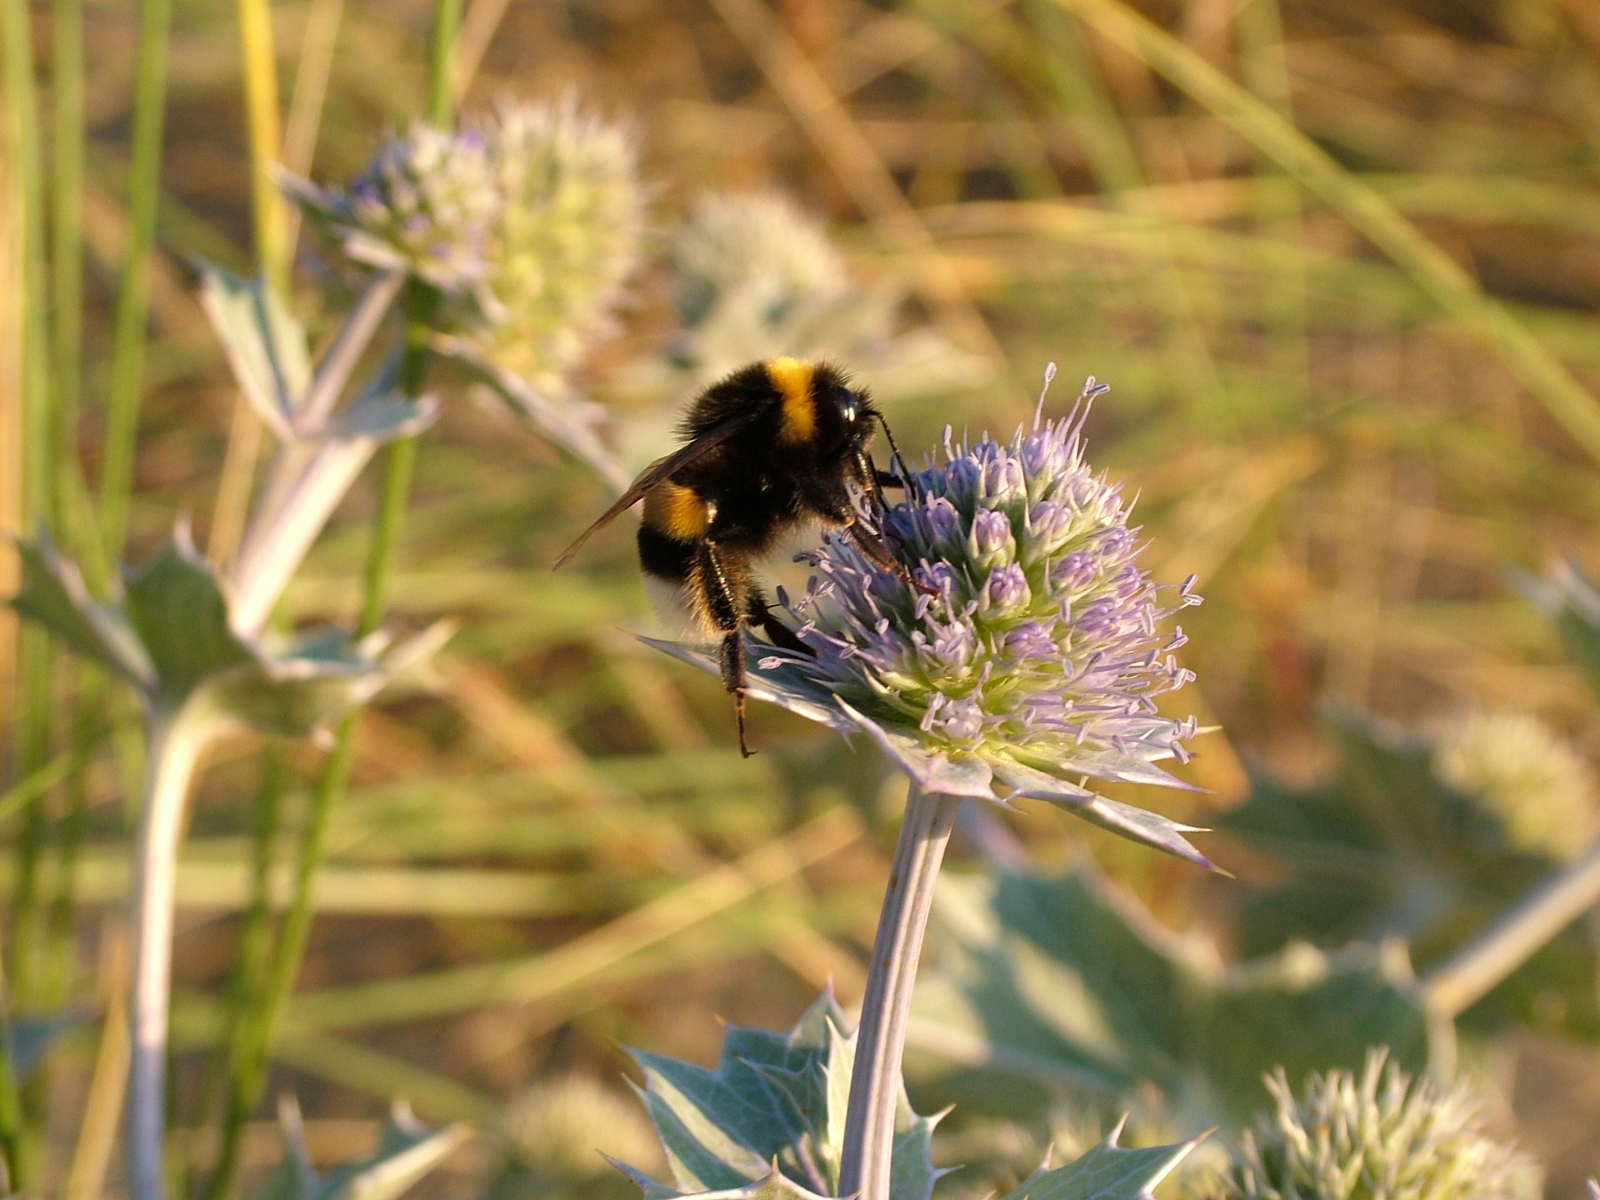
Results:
<point x="664" y="556"/>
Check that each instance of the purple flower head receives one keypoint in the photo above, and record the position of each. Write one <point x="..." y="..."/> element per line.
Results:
<point x="1037" y="666"/>
<point x="425" y="203"/>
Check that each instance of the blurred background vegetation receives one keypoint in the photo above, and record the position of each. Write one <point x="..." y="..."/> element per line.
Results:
<point x="531" y="870"/>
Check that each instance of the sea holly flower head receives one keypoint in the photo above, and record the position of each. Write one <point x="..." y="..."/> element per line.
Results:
<point x="566" y="235"/>
<point x="424" y="204"/>
<point x="1036" y="663"/>
<point x="1523" y="776"/>
<point x="1377" y="1136"/>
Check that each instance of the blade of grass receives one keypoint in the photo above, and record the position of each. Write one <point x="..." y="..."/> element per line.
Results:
<point x="262" y="119"/>
<point x="253" y="958"/>
<point x="576" y="962"/>
<point x="133" y="294"/>
<point x="1259" y="28"/>
<point x="13" y="1156"/>
<point x="66" y="228"/>
<point x="477" y="31"/>
<point x="11" y="299"/>
<point x="269" y="221"/>
<point x="97" y="1130"/>
<point x="354" y="1065"/>
<point x="1455" y="291"/>
<point x="1079" y="88"/>
<point x="311" y="77"/>
<point x="31" y="730"/>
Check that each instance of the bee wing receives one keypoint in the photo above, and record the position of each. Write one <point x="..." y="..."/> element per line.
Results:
<point x="655" y="473"/>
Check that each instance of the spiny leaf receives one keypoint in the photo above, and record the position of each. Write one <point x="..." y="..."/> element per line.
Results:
<point x="774" y="1186"/>
<point x="1049" y="986"/>
<point x="180" y="613"/>
<point x="1386" y="849"/>
<point x="406" y="1151"/>
<point x="774" y="1101"/>
<point x="53" y="595"/>
<point x="266" y="344"/>
<point x="1107" y="1172"/>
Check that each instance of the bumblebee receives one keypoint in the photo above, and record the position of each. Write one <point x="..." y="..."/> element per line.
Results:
<point x="773" y="447"/>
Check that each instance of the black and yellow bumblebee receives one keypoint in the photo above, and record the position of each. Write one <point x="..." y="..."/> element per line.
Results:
<point x="775" y="446"/>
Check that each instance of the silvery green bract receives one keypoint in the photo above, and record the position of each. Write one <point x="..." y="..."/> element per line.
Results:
<point x="1377" y="1136"/>
<point x="769" y="1120"/>
<point x="1037" y="665"/>
<point x="406" y="1151"/>
<point x="1106" y="1172"/>
<point x="167" y="633"/>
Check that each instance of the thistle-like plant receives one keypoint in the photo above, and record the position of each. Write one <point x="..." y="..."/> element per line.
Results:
<point x="1529" y="781"/>
<point x="424" y="205"/>
<point x="524" y="225"/>
<point x="754" y="277"/>
<point x="557" y="1134"/>
<point x="565" y="238"/>
<point x="769" y="1123"/>
<point x="1378" y="1136"/>
<point x="193" y="645"/>
<point x="1034" y="667"/>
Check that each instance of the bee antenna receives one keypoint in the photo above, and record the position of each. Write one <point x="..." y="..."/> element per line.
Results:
<point x="897" y="461"/>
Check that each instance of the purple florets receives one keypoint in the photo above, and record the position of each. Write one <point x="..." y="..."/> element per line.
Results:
<point x="1043" y="648"/>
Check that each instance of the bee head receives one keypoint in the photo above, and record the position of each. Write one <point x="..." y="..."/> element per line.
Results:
<point x="846" y="414"/>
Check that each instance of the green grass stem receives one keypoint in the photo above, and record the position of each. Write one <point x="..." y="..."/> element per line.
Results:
<point x="248" y="1061"/>
<point x="237" y="1083"/>
<point x="133" y="294"/>
<point x="1262" y="63"/>
<point x="264" y="122"/>
<point x="1075" y="83"/>
<point x="35" y="659"/>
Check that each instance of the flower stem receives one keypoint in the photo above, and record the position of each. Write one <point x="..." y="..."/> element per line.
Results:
<point x="173" y="743"/>
<point x="1478" y="967"/>
<point x="875" y="1085"/>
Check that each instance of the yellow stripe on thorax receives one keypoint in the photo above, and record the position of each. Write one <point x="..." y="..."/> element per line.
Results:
<point x="792" y="378"/>
<point x="676" y="511"/>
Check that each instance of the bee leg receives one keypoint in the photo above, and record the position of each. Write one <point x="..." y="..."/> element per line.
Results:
<point x="733" y="679"/>
<point x="779" y="634"/>
<point x="888" y="479"/>
<point x="878" y="554"/>
<point x="723" y="609"/>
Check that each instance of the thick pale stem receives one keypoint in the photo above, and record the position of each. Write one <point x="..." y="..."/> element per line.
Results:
<point x="881" y="1039"/>
<point x="1479" y="966"/>
<point x="174" y="745"/>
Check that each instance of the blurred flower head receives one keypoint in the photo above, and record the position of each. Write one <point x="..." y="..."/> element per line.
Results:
<point x="1038" y="662"/>
<point x="755" y="277"/>
<point x="749" y="249"/>
<point x="1382" y="1136"/>
<point x="424" y="204"/>
<point x="529" y="220"/>
<point x="558" y="1133"/>
<point x="566" y="235"/>
<point x="1527" y="779"/>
